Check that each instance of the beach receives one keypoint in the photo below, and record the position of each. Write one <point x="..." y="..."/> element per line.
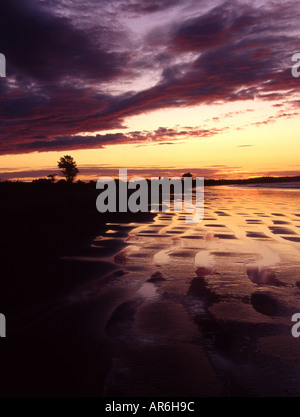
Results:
<point x="146" y="304"/>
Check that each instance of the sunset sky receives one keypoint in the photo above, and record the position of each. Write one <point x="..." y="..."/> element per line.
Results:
<point x="160" y="87"/>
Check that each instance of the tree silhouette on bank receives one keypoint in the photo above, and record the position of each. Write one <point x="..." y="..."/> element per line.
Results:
<point x="68" y="167"/>
<point x="187" y="175"/>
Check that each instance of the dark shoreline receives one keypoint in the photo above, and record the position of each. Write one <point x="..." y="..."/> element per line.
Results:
<point x="43" y="183"/>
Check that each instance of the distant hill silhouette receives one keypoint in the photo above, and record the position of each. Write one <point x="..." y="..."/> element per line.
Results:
<point x="258" y="180"/>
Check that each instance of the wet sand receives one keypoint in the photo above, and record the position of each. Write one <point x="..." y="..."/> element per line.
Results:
<point x="221" y="293"/>
<point x="166" y="308"/>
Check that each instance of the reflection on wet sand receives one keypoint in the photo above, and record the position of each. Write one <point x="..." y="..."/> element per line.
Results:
<point x="209" y="297"/>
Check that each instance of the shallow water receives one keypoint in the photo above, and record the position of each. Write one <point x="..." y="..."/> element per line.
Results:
<point x="224" y="289"/>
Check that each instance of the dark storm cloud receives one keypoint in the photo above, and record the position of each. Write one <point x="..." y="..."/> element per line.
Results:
<point x="62" y="66"/>
<point x="49" y="48"/>
<point x="214" y="28"/>
<point x="146" y="6"/>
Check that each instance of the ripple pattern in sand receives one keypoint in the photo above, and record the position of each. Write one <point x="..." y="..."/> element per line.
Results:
<point x="227" y="284"/>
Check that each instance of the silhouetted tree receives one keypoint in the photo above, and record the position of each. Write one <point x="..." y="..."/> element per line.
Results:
<point x="41" y="181"/>
<point x="68" y="167"/>
<point x="187" y="174"/>
<point x="51" y="177"/>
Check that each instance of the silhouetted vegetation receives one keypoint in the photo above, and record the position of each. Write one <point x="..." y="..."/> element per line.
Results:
<point x="42" y="181"/>
<point x="187" y="175"/>
<point x="51" y="177"/>
<point x="68" y="167"/>
<point x="258" y="180"/>
<point x="48" y="183"/>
